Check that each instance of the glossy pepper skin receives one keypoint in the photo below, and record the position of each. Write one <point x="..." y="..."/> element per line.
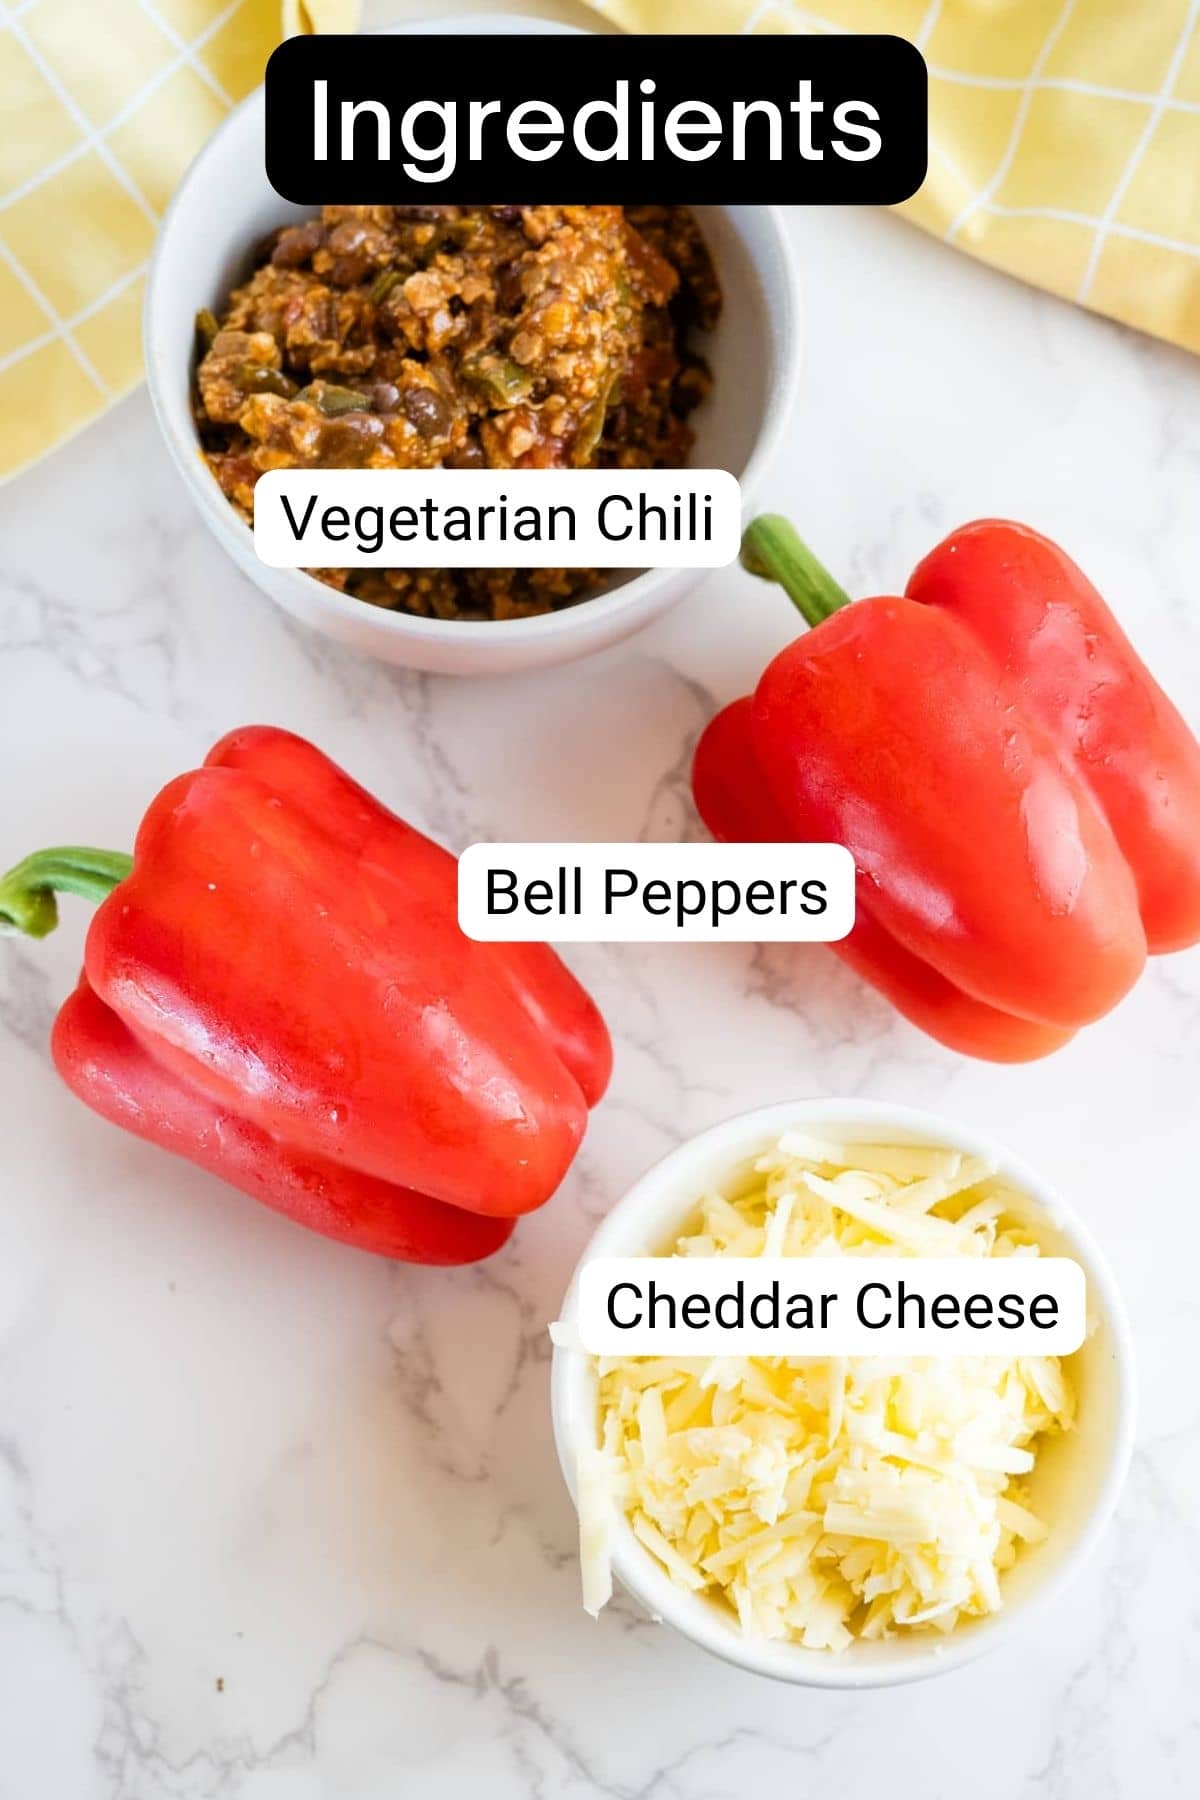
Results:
<point x="1021" y="798"/>
<point x="278" y="990"/>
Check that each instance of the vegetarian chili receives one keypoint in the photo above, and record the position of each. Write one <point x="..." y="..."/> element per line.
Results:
<point x="462" y="337"/>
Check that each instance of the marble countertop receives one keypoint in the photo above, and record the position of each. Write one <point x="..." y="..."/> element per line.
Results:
<point x="278" y="1522"/>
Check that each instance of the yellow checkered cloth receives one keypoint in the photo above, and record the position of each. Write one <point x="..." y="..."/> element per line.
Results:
<point x="1064" y="134"/>
<point x="104" y="104"/>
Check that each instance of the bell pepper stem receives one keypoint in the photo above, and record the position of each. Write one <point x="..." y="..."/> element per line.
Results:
<point x="27" y="902"/>
<point x="773" y="549"/>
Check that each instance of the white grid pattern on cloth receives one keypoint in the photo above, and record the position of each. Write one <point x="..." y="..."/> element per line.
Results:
<point x="94" y="139"/>
<point x="187" y="52"/>
<point x="64" y="328"/>
<point x="925" y="30"/>
<point x="1108" y="225"/>
<point x="992" y="185"/>
<point x="59" y="328"/>
<point x="75" y="112"/>
<point x="1151" y="126"/>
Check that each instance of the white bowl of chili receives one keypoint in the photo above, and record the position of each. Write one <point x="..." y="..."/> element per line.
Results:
<point x="225" y="206"/>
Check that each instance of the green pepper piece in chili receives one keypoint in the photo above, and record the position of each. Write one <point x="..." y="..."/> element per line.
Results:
<point x="258" y="378"/>
<point x="497" y="378"/>
<point x="332" y="401"/>
<point x="207" y="327"/>
<point x="382" y="286"/>
<point x="591" y="428"/>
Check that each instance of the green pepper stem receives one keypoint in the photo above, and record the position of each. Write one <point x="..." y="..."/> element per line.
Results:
<point x="773" y="549"/>
<point x="27" y="902"/>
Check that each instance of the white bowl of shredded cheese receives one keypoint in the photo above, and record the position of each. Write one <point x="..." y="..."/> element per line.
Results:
<point x="852" y="1521"/>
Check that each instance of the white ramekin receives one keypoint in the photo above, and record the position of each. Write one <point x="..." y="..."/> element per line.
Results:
<point x="1078" y="1477"/>
<point x="224" y="205"/>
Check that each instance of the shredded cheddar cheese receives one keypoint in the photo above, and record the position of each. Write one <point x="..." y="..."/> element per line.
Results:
<point x="827" y="1499"/>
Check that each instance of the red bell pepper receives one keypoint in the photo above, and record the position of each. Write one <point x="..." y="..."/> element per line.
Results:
<point x="1021" y="798"/>
<point x="275" y="987"/>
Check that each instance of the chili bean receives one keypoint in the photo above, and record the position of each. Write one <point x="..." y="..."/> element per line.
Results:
<point x="426" y="410"/>
<point x="296" y="245"/>
<point x="351" y="442"/>
<point x="470" y="456"/>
